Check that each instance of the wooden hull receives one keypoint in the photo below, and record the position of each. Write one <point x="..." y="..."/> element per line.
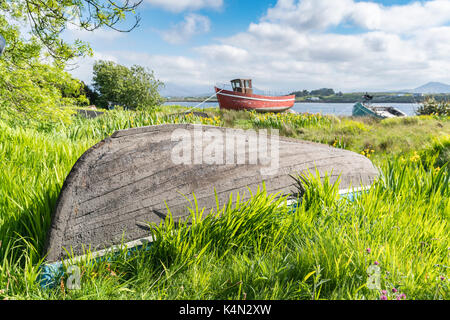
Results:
<point x="124" y="182"/>
<point x="240" y="101"/>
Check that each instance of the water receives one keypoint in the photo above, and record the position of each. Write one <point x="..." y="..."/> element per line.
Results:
<point x="345" y="109"/>
<point x="339" y="109"/>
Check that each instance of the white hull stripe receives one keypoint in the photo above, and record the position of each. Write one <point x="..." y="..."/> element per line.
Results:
<point x="272" y="108"/>
<point x="258" y="99"/>
<point x="353" y="190"/>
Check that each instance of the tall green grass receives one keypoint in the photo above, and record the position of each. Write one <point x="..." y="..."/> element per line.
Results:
<point x="260" y="248"/>
<point x="35" y="161"/>
<point x="278" y="120"/>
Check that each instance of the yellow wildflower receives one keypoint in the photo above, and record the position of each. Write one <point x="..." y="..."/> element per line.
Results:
<point x="415" y="157"/>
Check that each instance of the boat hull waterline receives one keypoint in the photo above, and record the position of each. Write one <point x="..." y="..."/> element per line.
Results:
<point x="232" y="100"/>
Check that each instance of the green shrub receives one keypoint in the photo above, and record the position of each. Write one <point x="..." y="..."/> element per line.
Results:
<point x="439" y="151"/>
<point x="134" y="88"/>
<point x="433" y="107"/>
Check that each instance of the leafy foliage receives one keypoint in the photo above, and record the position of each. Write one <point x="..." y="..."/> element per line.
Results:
<point x="32" y="90"/>
<point x="133" y="88"/>
<point x="34" y="87"/>
<point x="324" y="92"/>
<point x="38" y="94"/>
<point x="47" y="19"/>
<point x="433" y="107"/>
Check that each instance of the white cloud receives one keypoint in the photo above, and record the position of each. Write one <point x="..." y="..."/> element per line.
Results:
<point x="76" y="32"/>
<point x="83" y="71"/>
<point x="309" y="14"/>
<point x="293" y="47"/>
<point x="193" y="24"/>
<point x="182" y="5"/>
<point x="317" y="15"/>
<point x="224" y="53"/>
<point x="401" y="18"/>
<point x="174" y="68"/>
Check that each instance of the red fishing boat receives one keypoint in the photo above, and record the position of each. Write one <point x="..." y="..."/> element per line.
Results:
<point x="242" y="98"/>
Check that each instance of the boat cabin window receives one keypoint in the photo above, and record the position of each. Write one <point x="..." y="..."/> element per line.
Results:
<point x="242" y="85"/>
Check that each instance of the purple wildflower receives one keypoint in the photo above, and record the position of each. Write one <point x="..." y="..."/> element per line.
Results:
<point x="376" y="263"/>
<point x="442" y="278"/>
<point x="368" y="250"/>
<point x="383" y="297"/>
<point x="394" y="290"/>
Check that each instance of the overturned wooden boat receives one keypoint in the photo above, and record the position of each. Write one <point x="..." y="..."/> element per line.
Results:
<point x="129" y="180"/>
<point x="242" y="98"/>
<point x="366" y="110"/>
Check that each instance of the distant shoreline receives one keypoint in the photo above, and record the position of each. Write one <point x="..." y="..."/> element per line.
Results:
<point x="298" y="101"/>
<point x="345" y="98"/>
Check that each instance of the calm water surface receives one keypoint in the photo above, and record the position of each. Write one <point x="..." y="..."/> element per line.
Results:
<point x="339" y="109"/>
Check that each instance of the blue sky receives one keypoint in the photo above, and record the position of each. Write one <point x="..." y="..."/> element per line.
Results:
<point x="283" y="44"/>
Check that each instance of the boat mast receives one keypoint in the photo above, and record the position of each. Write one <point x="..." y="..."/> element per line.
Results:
<point x="367" y="98"/>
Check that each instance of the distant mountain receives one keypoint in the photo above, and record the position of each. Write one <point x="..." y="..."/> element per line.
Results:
<point x="432" y="87"/>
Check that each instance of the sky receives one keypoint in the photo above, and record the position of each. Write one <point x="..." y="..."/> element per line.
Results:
<point x="283" y="45"/>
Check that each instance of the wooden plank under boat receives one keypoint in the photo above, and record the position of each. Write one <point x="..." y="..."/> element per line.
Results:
<point x="125" y="182"/>
<point x="365" y="110"/>
<point x="242" y="98"/>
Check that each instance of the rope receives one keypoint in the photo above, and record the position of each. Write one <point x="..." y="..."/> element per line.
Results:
<point x="204" y="101"/>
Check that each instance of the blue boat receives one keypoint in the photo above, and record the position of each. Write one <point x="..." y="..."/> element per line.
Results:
<point x="366" y="110"/>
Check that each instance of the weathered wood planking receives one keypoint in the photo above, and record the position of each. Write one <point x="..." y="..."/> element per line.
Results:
<point x="123" y="182"/>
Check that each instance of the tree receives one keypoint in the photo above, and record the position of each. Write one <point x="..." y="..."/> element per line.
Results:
<point x="38" y="94"/>
<point x="47" y="19"/>
<point x="33" y="83"/>
<point x="31" y="90"/>
<point x="324" y="92"/>
<point x="432" y="107"/>
<point x="303" y="93"/>
<point x="91" y="94"/>
<point x="134" y="88"/>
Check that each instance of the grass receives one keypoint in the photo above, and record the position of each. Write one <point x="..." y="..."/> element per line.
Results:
<point x="257" y="249"/>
